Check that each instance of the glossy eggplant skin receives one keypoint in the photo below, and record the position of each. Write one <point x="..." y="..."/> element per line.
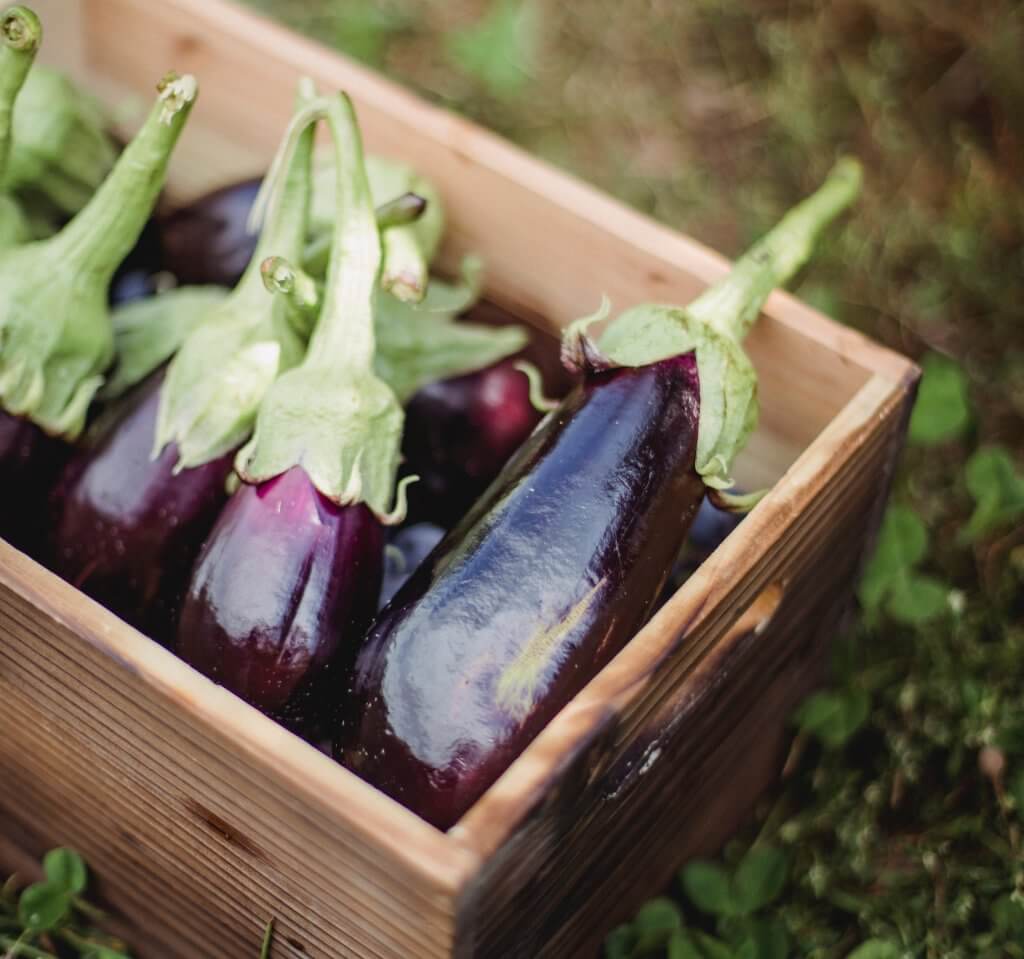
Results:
<point x="281" y="594"/>
<point x="207" y="242"/>
<point x="530" y="595"/>
<point x="459" y="433"/>
<point x="127" y="528"/>
<point x="29" y="463"/>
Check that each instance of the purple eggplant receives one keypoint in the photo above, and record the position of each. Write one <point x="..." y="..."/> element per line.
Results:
<point x="134" y="507"/>
<point x="29" y="463"/>
<point x="56" y="333"/>
<point x="407" y="547"/>
<point x="459" y="433"/>
<point x="289" y="578"/>
<point x="564" y="556"/>
<point x="128" y="526"/>
<point x="284" y="579"/>
<point x="208" y="242"/>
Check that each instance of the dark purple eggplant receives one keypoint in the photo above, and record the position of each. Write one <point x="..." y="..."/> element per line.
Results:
<point x="459" y="433"/>
<point x="56" y="334"/>
<point x="208" y="242"/>
<point x="134" y="507"/>
<point x="29" y="463"/>
<point x="286" y="578"/>
<point x="564" y="556"/>
<point x="140" y="273"/>
<point x="289" y="578"/>
<point x="407" y="547"/>
<point x="128" y="526"/>
<point x="576" y="514"/>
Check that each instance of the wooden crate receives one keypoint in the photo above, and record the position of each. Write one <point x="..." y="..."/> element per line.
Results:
<point x="204" y="818"/>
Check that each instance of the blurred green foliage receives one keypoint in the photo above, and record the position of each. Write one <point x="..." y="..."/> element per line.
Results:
<point x="901" y="813"/>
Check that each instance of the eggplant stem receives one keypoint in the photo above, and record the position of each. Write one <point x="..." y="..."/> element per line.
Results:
<point x="732" y="305"/>
<point x="21" y="33"/>
<point x="736" y="503"/>
<point x="401" y="507"/>
<point x="101" y="235"/>
<point x="538" y="400"/>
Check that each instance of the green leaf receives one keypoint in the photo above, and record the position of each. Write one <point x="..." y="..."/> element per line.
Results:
<point x="760" y="877"/>
<point x="66" y="870"/>
<point x="499" y="49"/>
<point x="941" y="412"/>
<point x="747" y="949"/>
<point x="876" y="949"/>
<point x="681" y="946"/>
<point x="708" y="886"/>
<point x="997" y="489"/>
<point x="1017" y="791"/>
<point x="1008" y="917"/>
<point x="833" y="716"/>
<point x="43" y="905"/>
<point x="619" y="942"/>
<point x="902" y="543"/>
<point x="654" y="924"/>
<point x="713" y="948"/>
<point x="771" y="939"/>
<point x="149" y="331"/>
<point x="915" y="599"/>
<point x="364" y="29"/>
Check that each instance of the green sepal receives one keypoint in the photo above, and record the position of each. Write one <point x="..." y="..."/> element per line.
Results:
<point x="60" y="146"/>
<point x="422" y="343"/>
<point x="407" y="250"/>
<point x="148" y="332"/>
<point x="728" y="382"/>
<point x="56" y="336"/>
<point x="714" y="324"/>
<point x="219" y="376"/>
<point x="15" y="228"/>
<point x="340" y="423"/>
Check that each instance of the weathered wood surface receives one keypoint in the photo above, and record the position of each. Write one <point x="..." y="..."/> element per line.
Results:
<point x="204" y="818"/>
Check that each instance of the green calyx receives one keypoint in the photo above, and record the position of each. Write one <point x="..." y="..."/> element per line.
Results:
<point x="332" y="415"/>
<point x="714" y="324"/>
<point x="60" y="146"/>
<point x="407" y="250"/>
<point x="219" y="377"/>
<point x="148" y="332"/>
<point x="56" y="335"/>
<point x="416" y="343"/>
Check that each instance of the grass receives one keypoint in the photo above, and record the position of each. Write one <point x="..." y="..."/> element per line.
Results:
<point x="896" y="830"/>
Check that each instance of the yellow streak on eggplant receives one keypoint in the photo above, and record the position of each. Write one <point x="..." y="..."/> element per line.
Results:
<point x="517" y="685"/>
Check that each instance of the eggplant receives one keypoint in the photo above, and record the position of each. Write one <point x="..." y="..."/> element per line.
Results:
<point x="127" y="525"/>
<point x="208" y="241"/>
<point x="133" y="508"/>
<point x="459" y="433"/>
<point x="56" y="334"/>
<point x="29" y="463"/>
<point x="564" y="556"/>
<point x="285" y="581"/>
<point x="289" y="578"/>
<point x="407" y="547"/>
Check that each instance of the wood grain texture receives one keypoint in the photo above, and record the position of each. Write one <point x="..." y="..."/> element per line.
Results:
<point x="205" y="818"/>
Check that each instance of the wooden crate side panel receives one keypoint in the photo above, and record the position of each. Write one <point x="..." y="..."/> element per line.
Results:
<point x="623" y="816"/>
<point x="188" y="830"/>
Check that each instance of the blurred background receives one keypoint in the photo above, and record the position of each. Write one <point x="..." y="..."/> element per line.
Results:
<point x="896" y="831"/>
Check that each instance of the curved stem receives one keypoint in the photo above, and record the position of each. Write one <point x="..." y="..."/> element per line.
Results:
<point x="732" y="305"/>
<point x="21" y="33"/>
<point x="103" y="233"/>
<point x="346" y="320"/>
<point x="401" y="211"/>
<point x="297" y="287"/>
